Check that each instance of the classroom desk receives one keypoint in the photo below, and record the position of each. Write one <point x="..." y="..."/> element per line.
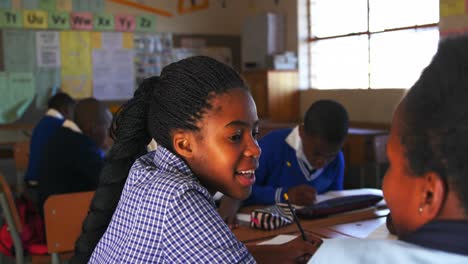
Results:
<point x="10" y="137"/>
<point x="329" y="227"/>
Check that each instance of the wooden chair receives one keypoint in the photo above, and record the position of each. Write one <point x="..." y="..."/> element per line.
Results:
<point x="12" y="218"/>
<point x="64" y="215"/>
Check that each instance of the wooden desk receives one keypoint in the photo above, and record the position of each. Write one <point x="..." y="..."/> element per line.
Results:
<point x="330" y="227"/>
<point x="8" y="138"/>
<point x="365" y="150"/>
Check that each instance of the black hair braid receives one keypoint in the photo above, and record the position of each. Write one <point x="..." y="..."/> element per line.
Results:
<point x="129" y="130"/>
<point x="183" y="95"/>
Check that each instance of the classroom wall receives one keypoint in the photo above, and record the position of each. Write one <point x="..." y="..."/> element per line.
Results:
<point x="373" y="106"/>
<point x="364" y="106"/>
<point x="214" y="21"/>
<point x="219" y="20"/>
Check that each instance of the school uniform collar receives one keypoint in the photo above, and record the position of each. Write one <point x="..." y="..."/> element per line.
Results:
<point x="72" y="126"/>
<point x="294" y="141"/>
<point x="54" y="113"/>
<point x="445" y="235"/>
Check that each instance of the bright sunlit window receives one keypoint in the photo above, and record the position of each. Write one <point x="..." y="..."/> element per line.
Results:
<point x="370" y="43"/>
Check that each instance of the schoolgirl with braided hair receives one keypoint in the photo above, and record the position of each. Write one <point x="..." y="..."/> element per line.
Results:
<point x="201" y="114"/>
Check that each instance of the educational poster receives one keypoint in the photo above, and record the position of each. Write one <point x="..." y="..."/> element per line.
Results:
<point x="48" y="49"/>
<point x="59" y="20"/>
<point x="96" y="6"/>
<point x="47" y="75"/>
<point x="19" y="50"/>
<point x="35" y="19"/>
<point x="152" y="53"/>
<point x="75" y="48"/>
<point x="48" y="5"/>
<point x="64" y="5"/>
<point x="145" y="23"/>
<point x="17" y="90"/>
<point x="29" y="4"/>
<point x="2" y="66"/>
<point x="5" y="4"/>
<point x="103" y="22"/>
<point x="113" y="68"/>
<point x="47" y="80"/>
<point x="81" y="5"/>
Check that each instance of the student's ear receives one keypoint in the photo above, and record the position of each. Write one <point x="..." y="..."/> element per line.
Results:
<point x="433" y="194"/>
<point x="182" y="143"/>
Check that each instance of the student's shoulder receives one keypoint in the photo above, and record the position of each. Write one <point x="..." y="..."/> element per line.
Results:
<point x="145" y="170"/>
<point x="47" y="123"/>
<point x="279" y="134"/>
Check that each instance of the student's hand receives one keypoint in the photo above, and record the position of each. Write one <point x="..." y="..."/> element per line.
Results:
<point x="302" y="195"/>
<point x="295" y="251"/>
<point x="228" y="208"/>
<point x="301" y="251"/>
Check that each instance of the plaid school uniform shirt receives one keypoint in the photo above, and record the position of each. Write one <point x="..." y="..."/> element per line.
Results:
<point x="166" y="216"/>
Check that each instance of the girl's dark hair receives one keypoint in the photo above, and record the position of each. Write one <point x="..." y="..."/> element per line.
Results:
<point x="435" y="118"/>
<point x="176" y="99"/>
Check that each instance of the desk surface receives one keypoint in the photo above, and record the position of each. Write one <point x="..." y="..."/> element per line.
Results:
<point x="329" y="227"/>
<point x="10" y="137"/>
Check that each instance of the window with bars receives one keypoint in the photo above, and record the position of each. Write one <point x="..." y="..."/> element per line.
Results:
<point x="370" y="43"/>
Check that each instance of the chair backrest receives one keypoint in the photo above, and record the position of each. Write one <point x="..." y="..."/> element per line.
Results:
<point x="64" y="215"/>
<point x="6" y="190"/>
<point x="21" y="154"/>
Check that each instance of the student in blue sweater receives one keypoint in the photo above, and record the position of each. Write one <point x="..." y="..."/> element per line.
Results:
<point x="303" y="161"/>
<point x="60" y="109"/>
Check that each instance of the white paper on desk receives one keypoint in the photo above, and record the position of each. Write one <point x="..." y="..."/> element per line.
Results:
<point x="243" y="218"/>
<point x="278" y="240"/>
<point x="361" y="191"/>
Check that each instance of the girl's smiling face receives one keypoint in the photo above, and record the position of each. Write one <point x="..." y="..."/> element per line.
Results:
<point x="225" y="152"/>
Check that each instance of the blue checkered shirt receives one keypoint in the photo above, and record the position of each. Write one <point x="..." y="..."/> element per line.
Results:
<point x="166" y="216"/>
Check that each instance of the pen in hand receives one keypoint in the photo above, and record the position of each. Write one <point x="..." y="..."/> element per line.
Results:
<point x="295" y="217"/>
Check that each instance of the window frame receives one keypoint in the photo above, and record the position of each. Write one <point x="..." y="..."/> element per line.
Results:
<point x="311" y="39"/>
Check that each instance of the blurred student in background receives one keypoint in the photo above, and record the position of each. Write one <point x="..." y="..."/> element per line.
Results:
<point x="60" y="110"/>
<point x="73" y="158"/>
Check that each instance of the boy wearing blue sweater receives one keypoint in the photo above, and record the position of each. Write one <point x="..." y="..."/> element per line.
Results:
<point x="303" y="161"/>
<point x="60" y="110"/>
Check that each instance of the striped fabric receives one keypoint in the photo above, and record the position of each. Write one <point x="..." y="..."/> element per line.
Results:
<point x="271" y="217"/>
<point x="166" y="216"/>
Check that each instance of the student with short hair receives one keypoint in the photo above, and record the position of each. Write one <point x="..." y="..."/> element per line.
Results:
<point x="203" y="117"/>
<point x="60" y="109"/>
<point x="73" y="158"/>
<point x="426" y="184"/>
<point x="305" y="160"/>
